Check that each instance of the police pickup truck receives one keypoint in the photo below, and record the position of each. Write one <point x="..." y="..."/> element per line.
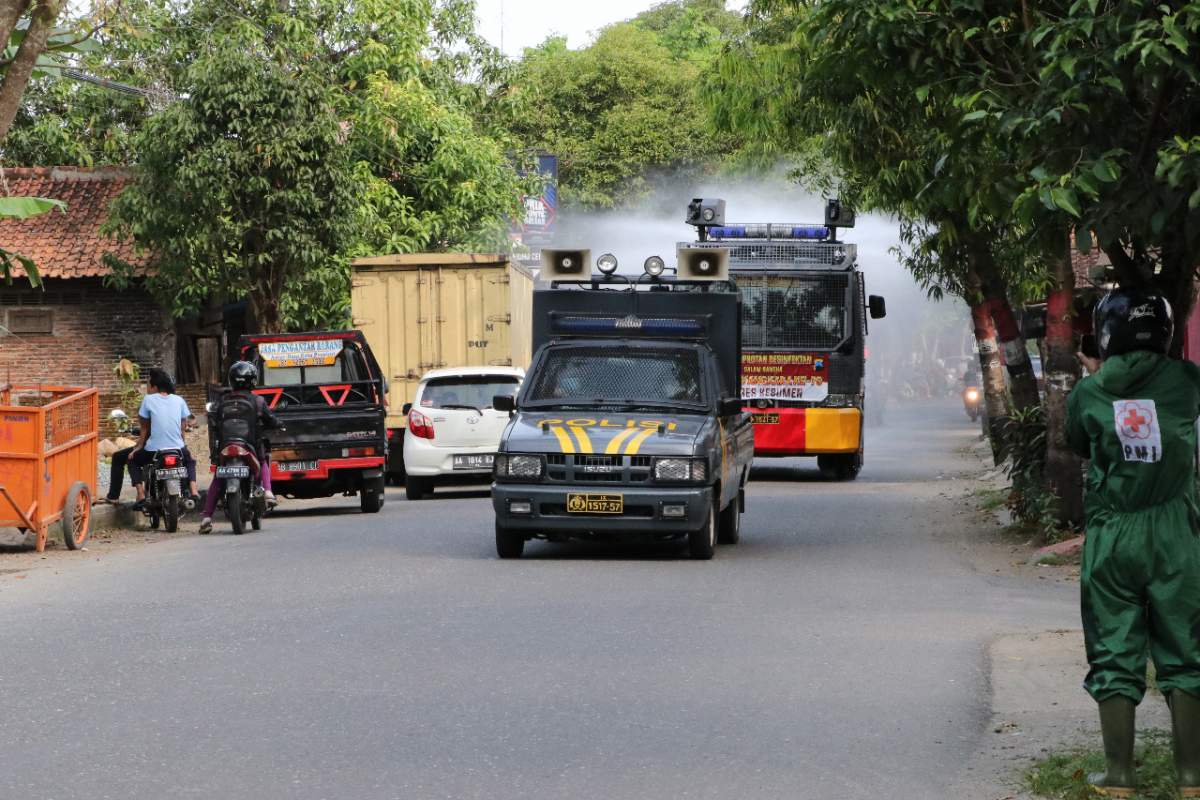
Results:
<point x="629" y="422"/>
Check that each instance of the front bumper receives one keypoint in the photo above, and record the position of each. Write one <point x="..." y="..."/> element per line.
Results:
<point x="643" y="512"/>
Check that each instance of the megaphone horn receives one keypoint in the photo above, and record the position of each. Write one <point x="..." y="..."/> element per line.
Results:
<point x="703" y="263"/>
<point x="566" y="265"/>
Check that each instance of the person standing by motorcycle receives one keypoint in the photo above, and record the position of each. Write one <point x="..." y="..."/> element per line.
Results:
<point x="243" y="377"/>
<point x="1134" y="418"/>
<point x="162" y="416"/>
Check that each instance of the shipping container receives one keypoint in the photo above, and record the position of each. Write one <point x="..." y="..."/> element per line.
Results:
<point x="426" y="311"/>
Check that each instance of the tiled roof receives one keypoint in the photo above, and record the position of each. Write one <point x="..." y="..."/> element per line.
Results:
<point x="67" y="244"/>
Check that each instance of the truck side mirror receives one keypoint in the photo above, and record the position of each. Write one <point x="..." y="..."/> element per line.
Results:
<point x="404" y="409"/>
<point x="878" y="306"/>
<point x="504" y="402"/>
<point x="730" y="406"/>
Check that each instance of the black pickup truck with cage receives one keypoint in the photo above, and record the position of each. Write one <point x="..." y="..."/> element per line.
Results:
<point x="329" y="394"/>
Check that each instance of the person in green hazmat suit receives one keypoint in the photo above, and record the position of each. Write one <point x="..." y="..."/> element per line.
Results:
<point x="1134" y="417"/>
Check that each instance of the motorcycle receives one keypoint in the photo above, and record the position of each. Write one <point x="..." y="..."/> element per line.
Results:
<point x="164" y="490"/>
<point x="243" y="499"/>
<point x="972" y="400"/>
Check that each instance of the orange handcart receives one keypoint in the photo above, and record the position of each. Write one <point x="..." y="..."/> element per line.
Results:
<point x="48" y="440"/>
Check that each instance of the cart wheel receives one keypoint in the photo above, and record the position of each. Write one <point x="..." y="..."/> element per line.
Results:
<point x="77" y="515"/>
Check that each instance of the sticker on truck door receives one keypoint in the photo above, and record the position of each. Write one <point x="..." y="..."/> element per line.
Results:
<point x="1137" y="428"/>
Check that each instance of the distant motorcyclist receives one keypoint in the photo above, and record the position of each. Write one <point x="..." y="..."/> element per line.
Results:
<point x="1134" y="418"/>
<point x="240" y="414"/>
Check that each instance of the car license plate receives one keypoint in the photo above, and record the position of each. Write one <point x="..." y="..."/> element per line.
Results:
<point x="170" y="472"/>
<point x="595" y="503"/>
<point x="764" y="419"/>
<point x="483" y="461"/>
<point x="297" y="466"/>
<point x="233" y="472"/>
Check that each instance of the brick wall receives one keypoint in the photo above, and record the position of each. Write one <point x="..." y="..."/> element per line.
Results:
<point x="90" y="329"/>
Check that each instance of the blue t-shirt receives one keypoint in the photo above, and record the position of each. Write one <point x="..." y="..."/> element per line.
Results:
<point x="166" y="413"/>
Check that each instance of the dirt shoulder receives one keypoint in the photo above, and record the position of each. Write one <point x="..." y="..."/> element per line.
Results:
<point x="18" y="557"/>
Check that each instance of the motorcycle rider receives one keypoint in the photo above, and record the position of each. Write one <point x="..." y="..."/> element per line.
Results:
<point x="1134" y="418"/>
<point x="243" y="377"/>
<point x="162" y="416"/>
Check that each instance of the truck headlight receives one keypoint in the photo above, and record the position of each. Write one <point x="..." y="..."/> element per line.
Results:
<point x="680" y="469"/>
<point x="508" y="466"/>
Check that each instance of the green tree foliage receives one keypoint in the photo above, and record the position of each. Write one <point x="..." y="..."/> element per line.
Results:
<point x="626" y="109"/>
<point x="419" y="99"/>
<point x="1095" y="105"/>
<point x="244" y="187"/>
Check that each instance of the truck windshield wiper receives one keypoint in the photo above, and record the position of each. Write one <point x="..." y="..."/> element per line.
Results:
<point x="460" y="407"/>
<point x="667" y="406"/>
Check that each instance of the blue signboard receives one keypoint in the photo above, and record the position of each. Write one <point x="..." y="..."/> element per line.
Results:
<point x="541" y="210"/>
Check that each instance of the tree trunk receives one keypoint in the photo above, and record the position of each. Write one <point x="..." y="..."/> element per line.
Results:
<point x="41" y="25"/>
<point x="994" y="399"/>
<point x="10" y="12"/>
<point x="1063" y="469"/>
<point x="265" y="311"/>
<point x="1022" y="380"/>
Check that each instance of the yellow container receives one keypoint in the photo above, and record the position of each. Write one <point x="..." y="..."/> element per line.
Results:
<point x="426" y="311"/>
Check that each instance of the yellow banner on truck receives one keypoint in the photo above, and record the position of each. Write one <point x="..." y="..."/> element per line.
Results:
<point x="424" y="311"/>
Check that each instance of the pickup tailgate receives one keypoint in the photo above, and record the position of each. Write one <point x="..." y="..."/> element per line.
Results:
<point x="320" y="433"/>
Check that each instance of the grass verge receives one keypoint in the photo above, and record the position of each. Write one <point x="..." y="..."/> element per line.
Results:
<point x="1064" y="776"/>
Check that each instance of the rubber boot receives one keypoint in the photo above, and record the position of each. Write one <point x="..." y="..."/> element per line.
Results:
<point x="1185" y="724"/>
<point x="1117" y="715"/>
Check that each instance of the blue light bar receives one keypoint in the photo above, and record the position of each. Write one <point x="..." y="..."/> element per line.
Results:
<point x="630" y="325"/>
<point x="769" y="231"/>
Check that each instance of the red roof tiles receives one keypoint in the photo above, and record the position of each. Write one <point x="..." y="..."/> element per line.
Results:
<point x="67" y="244"/>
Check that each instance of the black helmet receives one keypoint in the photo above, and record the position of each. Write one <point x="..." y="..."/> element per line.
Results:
<point x="243" y="375"/>
<point x="1132" y="319"/>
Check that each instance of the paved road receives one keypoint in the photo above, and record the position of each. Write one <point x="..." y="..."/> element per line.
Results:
<point x="838" y="652"/>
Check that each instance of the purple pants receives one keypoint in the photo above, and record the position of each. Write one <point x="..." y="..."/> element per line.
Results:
<point x="218" y="486"/>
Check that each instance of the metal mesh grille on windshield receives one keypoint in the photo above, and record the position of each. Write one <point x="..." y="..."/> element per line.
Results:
<point x="594" y="373"/>
<point x="806" y="313"/>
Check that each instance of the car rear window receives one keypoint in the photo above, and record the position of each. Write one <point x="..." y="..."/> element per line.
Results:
<point x="475" y="391"/>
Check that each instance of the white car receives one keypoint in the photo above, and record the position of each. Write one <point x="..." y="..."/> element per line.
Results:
<point x="452" y="427"/>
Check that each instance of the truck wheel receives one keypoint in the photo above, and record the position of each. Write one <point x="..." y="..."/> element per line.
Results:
<point x="729" y="529"/>
<point x="370" y="497"/>
<point x="509" y="543"/>
<point x="702" y="543"/>
<point x="840" y="467"/>
<point x="416" y="488"/>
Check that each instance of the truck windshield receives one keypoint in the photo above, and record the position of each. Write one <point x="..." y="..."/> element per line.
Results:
<point x="608" y="375"/>
<point x="466" y="391"/>
<point x="801" y="313"/>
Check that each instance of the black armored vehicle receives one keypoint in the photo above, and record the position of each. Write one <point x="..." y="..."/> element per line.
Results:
<point x="629" y="422"/>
